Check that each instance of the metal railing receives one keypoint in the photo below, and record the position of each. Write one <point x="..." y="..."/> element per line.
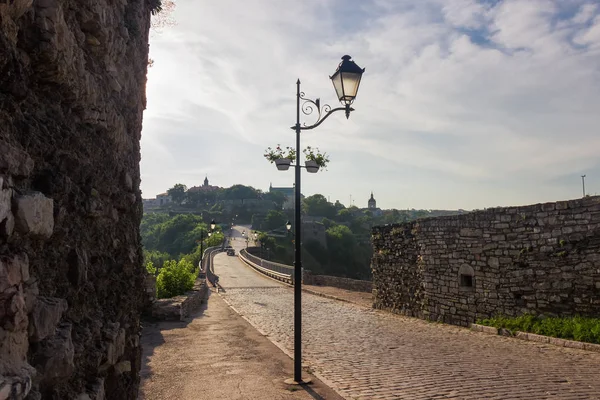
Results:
<point x="278" y="271"/>
<point x="206" y="266"/>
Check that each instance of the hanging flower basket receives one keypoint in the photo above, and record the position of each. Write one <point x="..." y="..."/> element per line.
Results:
<point x="311" y="166"/>
<point x="283" y="164"/>
<point x="282" y="158"/>
<point x="315" y="159"/>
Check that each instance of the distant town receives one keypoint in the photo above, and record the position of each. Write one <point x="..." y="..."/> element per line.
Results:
<point x="336" y="237"/>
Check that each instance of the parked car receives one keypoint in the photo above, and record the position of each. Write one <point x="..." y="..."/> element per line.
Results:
<point x="230" y="252"/>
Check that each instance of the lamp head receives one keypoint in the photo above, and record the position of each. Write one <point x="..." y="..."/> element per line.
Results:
<point x="346" y="80"/>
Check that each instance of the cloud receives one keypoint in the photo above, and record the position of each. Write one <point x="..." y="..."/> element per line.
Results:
<point x="463" y="103"/>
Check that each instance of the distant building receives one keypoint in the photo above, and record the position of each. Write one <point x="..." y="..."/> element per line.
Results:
<point x="160" y="200"/>
<point x="163" y="199"/>
<point x="372" y="203"/>
<point x="206" y="187"/>
<point x="372" y="206"/>
<point x="289" y="195"/>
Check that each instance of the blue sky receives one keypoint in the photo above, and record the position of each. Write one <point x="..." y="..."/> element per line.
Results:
<point x="464" y="104"/>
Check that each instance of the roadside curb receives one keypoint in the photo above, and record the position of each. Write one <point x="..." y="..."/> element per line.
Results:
<point x="532" y="337"/>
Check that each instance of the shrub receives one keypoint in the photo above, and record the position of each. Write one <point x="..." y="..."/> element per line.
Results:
<point x="577" y="328"/>
<point x="175" y="278"/>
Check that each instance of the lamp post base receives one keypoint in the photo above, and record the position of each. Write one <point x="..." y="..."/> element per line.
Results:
<point x="291" y="381"/>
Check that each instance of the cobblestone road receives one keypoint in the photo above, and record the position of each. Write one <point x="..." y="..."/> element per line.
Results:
<point x="367" y="354"/>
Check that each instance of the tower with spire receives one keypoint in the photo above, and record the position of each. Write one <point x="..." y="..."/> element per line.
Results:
<point x="205" y="181"/>
<point x="372" y="203"/>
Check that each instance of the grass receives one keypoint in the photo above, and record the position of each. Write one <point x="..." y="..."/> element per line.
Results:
<point x="581" y="329"/>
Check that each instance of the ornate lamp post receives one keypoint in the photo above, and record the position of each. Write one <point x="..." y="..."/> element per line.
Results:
<point x="346" y="80"/>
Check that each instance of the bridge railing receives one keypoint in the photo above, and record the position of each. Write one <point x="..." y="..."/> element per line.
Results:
<point x="282" y="272"/>
<point x="206" y="264"/>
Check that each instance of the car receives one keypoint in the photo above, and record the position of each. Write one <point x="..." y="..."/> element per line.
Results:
<point x="230" y="252"/>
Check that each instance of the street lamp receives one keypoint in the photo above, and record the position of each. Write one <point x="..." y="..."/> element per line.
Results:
<point x="212" y="225"/>
<point x="346" y="80"/>
<point x="288" y="226"/>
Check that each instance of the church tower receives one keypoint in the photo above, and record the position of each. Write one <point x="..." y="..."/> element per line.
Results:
<point x="205" y="181"/>
<point x="372" y="203"/>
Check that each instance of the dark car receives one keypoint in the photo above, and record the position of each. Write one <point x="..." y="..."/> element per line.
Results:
<point x="230" y="252"/>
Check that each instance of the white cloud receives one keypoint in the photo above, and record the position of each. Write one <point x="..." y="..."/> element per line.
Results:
<point x="463" y="103"/>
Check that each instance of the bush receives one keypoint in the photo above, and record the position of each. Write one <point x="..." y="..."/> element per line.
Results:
<point x="577" y="328"/>
<point x="175" y="278"/>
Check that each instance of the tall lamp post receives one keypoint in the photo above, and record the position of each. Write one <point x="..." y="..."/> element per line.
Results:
<point x="346" y="80"/>
<point x="212" y="228"/>
<point x="583" y="183"/>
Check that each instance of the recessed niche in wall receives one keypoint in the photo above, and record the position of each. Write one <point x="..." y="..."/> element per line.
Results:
<point x="466" y="277"/>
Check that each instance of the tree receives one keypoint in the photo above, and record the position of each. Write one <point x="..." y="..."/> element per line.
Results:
<point x="277" y="198"/>
<point x="274" y="220"/>
<point x="239" y="192"/>
<point x="318" y="206"/>
<point x="177" y="193"/>
<point x="175" y="278"/>
<point x="176" y="235"/>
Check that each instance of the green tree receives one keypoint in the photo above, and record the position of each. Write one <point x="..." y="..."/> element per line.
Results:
<point x="274" y="220"/>
<point x="216" y="239"/>
<point x="176" y="235"/>
<point x="318" y="206"/>
<point x="177" y="193"/>
<point x="277" y="198"/>
<point x="239" y="192"/>
<point x="175" y="278"/>
<point x="156" y="258"/>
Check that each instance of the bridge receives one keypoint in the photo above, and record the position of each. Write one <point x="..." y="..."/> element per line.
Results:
<point x="364" y="353"/>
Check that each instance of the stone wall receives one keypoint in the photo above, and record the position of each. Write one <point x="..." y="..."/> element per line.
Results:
<point x="179" y="308"/>
<point x="72" y="93"/>
<point x="355" y="285"/>
<point x="541" y="259"/>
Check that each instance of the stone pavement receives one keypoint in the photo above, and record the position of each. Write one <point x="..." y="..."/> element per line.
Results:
<point x="217" y="355"/>
<point x="368" y="354"/>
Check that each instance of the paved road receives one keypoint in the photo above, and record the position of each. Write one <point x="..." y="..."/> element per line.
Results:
<point x="367" y="354"/>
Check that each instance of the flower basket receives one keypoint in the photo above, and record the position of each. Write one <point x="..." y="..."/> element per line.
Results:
<point x="283" y="164"/>
<point x="311" y="166"/>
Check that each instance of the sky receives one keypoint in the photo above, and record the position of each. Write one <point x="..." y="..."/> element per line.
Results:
<point x="464" y="104"/>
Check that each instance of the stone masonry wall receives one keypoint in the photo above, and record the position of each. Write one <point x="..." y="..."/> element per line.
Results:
<point x="541" y="259"/>
<point x="72" y="93"/>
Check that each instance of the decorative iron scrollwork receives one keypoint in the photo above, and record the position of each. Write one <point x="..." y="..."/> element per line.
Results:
<point x="310" y="106"/>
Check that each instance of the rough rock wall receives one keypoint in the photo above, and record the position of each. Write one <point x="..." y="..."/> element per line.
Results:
<point x="540" y="259"/>
<point x="72" y="93"/>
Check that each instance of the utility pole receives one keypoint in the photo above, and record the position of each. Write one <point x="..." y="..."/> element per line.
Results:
<point x="583" y="183"/>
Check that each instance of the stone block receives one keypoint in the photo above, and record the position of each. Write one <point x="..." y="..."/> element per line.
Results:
<point x="15" y="387"/>
<point x="5" y="202"/>
<point x="96" y="391"/>
<point x="123" y="367"/>
<point x="13" y="271"/>
<point x="54" y="357"/>
<point x="34" y="215"/>
<point x="15" y="161"/>
<point x="7" y="226"/>
<point x="471" y="232"/>
<point x="115" y="348"/>
<point x="47" y="312"/>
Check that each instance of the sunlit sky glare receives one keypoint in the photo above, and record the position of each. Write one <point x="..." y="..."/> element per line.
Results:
<point x="463" y="104"/>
